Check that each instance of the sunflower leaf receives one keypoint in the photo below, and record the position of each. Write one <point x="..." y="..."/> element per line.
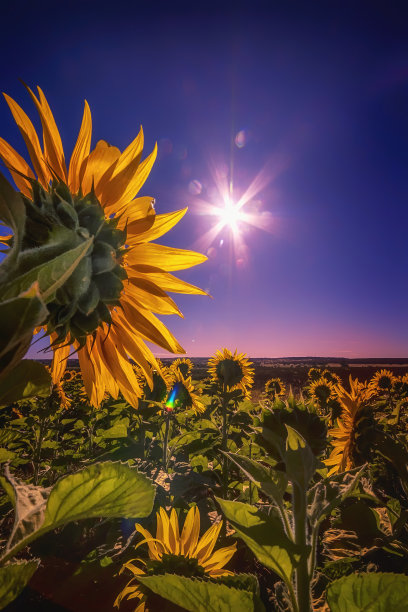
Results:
<point x="300" y="462"/>
<point x="12" y="214"/>
<point x="28" y="379"/>
<point x="100" y="490"/>
<point x="375" y="592"/>
<point x="18" y="318"/>
<point x="264" y="535"/>
<point x="199" y="595"/>
<point x="329" y="493"/>
<point x="13" y="579"/>
<point x="272" y="483"/>
<point x="50" y="275"/>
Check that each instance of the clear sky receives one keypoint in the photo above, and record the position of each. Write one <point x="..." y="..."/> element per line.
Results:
<point x="305" y="103"/>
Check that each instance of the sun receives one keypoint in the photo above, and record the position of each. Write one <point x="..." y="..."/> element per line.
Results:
<point x="230" y="214"/>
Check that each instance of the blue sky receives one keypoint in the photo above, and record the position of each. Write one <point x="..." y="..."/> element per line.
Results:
<point x="310" y="97"/>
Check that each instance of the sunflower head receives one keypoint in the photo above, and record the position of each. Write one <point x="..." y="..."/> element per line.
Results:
<point x="172" y="551"/>
<point x="331" y="377"/>
<point x="382" y="381"/>
<point x="106" y="309"/>
<point x="184" y="366"/>
<point x="351" y="439"/>
<point x="274" y="387"/>
<point x="231" y="371"/>
<point x="314" y="373"/>
<point x="181" y="395"/>
<point x="321" y="391"/>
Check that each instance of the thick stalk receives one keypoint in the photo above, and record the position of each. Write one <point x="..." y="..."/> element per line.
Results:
<point x="37" y="454"/>
<point x="224" y="444"/>
<point x="302" y="570"/>
<point x="166" y="442"/>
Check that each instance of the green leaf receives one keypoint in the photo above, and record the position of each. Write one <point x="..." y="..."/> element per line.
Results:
<point x="373" y="592"/>
<point x="329" y="493"/>
<point x="119" y="430"/>
<point x="107" y="489"/>
<point x="28" y="379"/>
<point x="6" y="455"/>
<point x="12" y="213"/>
<point x="272" y="483"/>
<point x="13" y="579"/>
<point x="50" y="275"/>
<point x="199" y="595"/>
<point x="264" y="535"/>
<point x="102" y="489"/>
<point x="299" y="460"/>
<point x="18" y="318"/>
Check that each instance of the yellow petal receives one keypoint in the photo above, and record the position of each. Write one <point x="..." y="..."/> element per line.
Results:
<point x="148" y="295"/>
<point x="191" y="532"/>
<point x="135" y="210"/>
<point x="59" y="361"/>
<point x="81" y="150"/>
<point x="154" y="552"/>
<point x="17" y="166"/>
<point x="131" y="152"/>
<point x="166" y="530"/>
<point x="150" y="327"/>
<point x="31" y="140"/>
<point x="138" y="179"/>
<point x="174" y="534"/>
<point x="100" y="161"/>
<point x="131" y="344"/>
<point x="171" y="283"/>
<point x="53" y="150"/>
<point x="206" y="544"/>
<point x="219" y="558"/>
<point x="167" y="258"/>
<point x="161" y="225"/>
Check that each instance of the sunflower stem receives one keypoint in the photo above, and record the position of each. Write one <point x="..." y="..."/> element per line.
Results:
<point x="224" y="443"/>
<point x="166" y="441"/>
<point x="302" y="570"/>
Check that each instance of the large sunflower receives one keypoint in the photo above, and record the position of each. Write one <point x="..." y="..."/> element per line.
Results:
<point x="105" y="309"/>
<point x="185" y="554"/>
<point x="231" y="370"/>
<point x="344" y="437"/>
<point x="183" y="365"/>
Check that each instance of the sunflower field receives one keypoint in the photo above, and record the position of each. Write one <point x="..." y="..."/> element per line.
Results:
<point x="130" y="483"/>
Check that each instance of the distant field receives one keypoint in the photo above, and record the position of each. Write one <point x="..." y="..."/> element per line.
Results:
<point x="293" y="370"/>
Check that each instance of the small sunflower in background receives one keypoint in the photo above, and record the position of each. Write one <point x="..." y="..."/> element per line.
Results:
<point x="331" y="377"/>
<point x="185" y="554"/>
<point x="321" y="391"/>
<point x="182" y="395"/>
<point x="382" y="381"/>
<point x="274" y="388"/>
<point x="314" y="373"/>
<point x="184" y="365"/>
<point x="231" y="371"/>
<point x="349" y="439"/>
<point x="107" y="308"/>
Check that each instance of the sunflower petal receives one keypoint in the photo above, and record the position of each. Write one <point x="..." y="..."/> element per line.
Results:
<point x="81" y="150"/>
<point x="17" y="166"/>
<point x="31" y="140"/>
<point x="167" y="258"/>
<point x="161" y="225"/>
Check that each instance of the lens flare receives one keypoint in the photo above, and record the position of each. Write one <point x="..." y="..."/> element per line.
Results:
<point x="171" y="400"/>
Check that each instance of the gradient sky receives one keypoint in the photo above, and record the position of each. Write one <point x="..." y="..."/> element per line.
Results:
<point x="318" y="96"/>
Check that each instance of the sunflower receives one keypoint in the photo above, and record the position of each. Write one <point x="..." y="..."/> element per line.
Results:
<point x="185" y="554"/>
<point x="185" y="366"/>
<point x="231" y="371"/>
<point x="331" y="377"/>
<point x="382" y="381"/>
<point x="344" y="437"/>
<point x="314" y="373"/>
<point x="182" y="395"/>
<point x="274" y="387"/>
<point x="105" y="310"/>
<point x="321" y="390"/>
